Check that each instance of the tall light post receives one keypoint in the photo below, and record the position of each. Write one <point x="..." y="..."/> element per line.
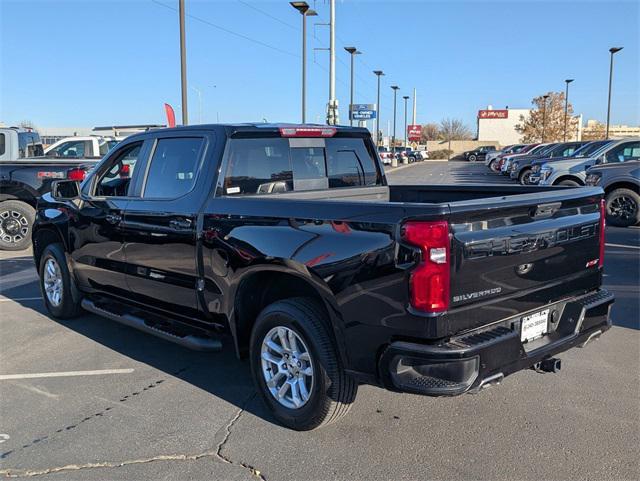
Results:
<point x="303" y="8"/>
<point x="566" y="105"/>
<point x="378" y="73"/>
<point x="544" y="114"/>
<point x="612" y="50"/>
<point x="353" y="52"/>
<point x="183" y="64"/>
<point x="406" y="98"/>
<point x="332" y="107"/>
<point x="393" y="142"/>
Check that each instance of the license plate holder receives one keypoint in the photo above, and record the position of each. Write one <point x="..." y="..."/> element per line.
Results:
<point x="534" y="325"/>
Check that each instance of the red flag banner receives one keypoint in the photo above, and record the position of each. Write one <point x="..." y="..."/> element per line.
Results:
<point x="171" y="116"/>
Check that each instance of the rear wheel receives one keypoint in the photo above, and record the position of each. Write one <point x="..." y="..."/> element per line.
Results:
<point x="16" y="224"/>
<point x="296" y="367"/>
<point x="623" y="208"/>
<point x="56" y="283"/>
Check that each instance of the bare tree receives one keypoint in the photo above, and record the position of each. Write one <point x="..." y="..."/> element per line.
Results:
<point x="26" y="124"/>
<point x="454" y="129"/>
<point x="430" y="132"/>
<point x="549" y="118"/>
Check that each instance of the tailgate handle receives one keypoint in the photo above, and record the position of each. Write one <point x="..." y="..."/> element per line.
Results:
<point x="546" y="210"/>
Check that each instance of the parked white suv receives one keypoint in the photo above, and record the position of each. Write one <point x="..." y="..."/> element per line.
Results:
<point x="82" y="147"/>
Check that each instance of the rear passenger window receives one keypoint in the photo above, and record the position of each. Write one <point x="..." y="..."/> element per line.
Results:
<point x="349" y="164"/>
<point x="276" y="165"/>
<point x="173" y="168"/>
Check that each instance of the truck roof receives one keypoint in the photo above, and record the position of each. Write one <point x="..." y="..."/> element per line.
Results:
<point x="261" y="127"/>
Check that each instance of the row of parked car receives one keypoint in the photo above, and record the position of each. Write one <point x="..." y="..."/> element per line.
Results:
<point x="612" y="164"/>
<point x="402" y="155"/>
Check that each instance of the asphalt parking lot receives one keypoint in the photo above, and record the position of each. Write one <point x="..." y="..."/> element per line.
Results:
<point x="119" y="404"/>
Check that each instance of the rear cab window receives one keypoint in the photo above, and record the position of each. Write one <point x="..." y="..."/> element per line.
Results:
<point x="278" y="165"/>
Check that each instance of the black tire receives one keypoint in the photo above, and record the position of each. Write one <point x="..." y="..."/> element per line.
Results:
<point x="412" y="159"/>
<point x="493" y="166"/>
<point x="571" y="183"/>
<point x="16" y="225"/>
<point x="623" y="207"/>
<point x="332" y="392"/>
<point x="473" y="158"/>
<point x="67" y="307"/>
<point x="523" y="177"/>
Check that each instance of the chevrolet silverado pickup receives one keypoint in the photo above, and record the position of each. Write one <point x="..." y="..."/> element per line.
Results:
<point x="288" y="242"/>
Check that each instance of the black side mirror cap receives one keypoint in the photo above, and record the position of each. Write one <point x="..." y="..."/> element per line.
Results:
<point x="65" y="189"/>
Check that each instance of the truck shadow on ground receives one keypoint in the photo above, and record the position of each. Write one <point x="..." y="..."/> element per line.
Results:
<point x="220" y="373"/>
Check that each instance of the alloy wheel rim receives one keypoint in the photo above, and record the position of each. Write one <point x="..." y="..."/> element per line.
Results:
<point x="623" y="207"/>
<point x="52" y="281"/>
<point x="287" y="367"/>
<point x="14" y="226"/>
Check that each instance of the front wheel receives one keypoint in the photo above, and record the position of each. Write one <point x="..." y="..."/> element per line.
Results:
<point x="525" y="177"/>
<point x="623" y="208"/>
<point x="56" y="283"/>
<point x="473" y="158"/>
<point x="296" y="367"/>
<point x="569" y="183"/>
<point x="16" y="223"/>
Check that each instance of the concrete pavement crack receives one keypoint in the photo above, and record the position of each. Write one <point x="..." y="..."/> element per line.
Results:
<point x="217" y="454"/>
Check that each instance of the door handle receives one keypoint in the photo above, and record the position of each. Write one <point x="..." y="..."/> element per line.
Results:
<point x="113" y="218"/>
<point x="180" y="224"/>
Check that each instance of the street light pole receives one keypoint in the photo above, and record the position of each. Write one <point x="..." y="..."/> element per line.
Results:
<point x="566" y="105"/>
<point x="406" y="97"/>
<point x="544" y="114"/>
<point x="353" y="52"/>
<point x="303" y="8"/>
<point x="378" y="73"/>
<point x="612" y="50"/>
<point x="395" y="91"/>
<point x="183" y="64"/>
<point x="332" y="108"/>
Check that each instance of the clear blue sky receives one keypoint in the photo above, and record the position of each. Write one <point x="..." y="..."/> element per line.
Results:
<point x="87" y="63"/>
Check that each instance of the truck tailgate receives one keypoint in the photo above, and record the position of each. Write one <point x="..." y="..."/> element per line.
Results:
<point x="539" y="247"/>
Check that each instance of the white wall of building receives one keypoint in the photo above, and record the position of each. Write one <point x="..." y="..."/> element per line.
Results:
<point x="502" y="130"/>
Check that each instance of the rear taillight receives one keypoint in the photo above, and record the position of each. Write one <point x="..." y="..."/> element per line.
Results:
<point x="603" y="223"/>
<point x="429" y="282"/>
<point x="76" y="174"/>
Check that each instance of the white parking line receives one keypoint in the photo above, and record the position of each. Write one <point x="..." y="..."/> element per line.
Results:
<point x="20" y="299"/>
<point x="37" y="375"/>
<point x="623" y="246"/>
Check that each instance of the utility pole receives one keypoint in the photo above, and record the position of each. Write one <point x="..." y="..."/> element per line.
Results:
<point x="353" y="52"/>
<point x="415" y="107"/>
<point x="612" y="50"/>
<point x="332" y="108"/>
<point x="544" y="114"/>
<point x="303" y="8"/>
<point x="183" y="64"/>
<point x="378" y="73"/>
<point x="566" y="105"/>
<point x="406" y="98"/>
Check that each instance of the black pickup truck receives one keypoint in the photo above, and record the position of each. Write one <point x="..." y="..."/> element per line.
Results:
<point x="288" y="239"/>
<point x="22" y="182"/>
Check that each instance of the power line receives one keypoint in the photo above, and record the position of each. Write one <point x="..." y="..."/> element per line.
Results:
<point x="267" y="14"/>
<point x="230" y="32"/>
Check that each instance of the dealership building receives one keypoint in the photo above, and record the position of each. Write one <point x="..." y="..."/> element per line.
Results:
<point x="499" y="125"/>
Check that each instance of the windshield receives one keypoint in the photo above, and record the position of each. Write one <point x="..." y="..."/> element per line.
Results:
<point x="29" y="145"/>
<point x="541" y="149"/>
<point x="592" y="148"/>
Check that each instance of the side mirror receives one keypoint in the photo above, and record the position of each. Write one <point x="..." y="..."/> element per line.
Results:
<point x="65" y="189"/>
